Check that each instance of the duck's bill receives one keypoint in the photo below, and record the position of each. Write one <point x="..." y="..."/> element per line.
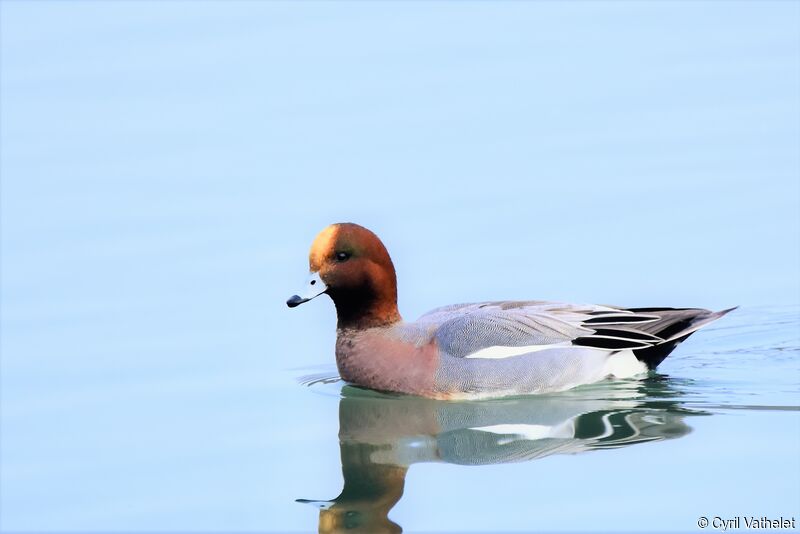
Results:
<point x="314" y="287"/>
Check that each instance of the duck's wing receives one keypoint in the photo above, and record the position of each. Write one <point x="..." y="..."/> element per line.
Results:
<point x="504" y="329"/>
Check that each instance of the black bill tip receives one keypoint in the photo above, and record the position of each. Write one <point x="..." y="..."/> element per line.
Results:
<point x="295" y="300"/>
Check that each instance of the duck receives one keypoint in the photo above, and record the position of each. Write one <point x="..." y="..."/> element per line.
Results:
<point x="477" y="350"/>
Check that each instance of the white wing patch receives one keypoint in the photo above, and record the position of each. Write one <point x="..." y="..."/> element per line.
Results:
<point x="497" y="352"/>
<point x="532" y="432"/>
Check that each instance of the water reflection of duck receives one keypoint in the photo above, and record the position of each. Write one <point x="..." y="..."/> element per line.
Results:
<point x="381" y="436"/>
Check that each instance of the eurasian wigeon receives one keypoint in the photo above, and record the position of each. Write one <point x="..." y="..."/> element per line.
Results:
<point x="479" y="350"/>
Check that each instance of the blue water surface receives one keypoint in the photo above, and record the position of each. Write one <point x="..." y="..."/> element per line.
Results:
<point x="164" y="167"/>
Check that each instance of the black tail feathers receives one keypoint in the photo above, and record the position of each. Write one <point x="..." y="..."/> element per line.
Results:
<point x="674" y="326"/>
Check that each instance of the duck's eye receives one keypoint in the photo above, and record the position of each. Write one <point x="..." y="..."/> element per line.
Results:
<point x="342" y="256"/>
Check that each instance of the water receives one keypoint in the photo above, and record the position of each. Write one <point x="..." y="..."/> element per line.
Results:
<point x="164" y="171"/>
<point x="709" y="439"/>
<point x="185" y="446"/>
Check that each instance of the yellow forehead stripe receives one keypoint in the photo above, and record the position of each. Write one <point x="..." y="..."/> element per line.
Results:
<point x="322" y="247"/>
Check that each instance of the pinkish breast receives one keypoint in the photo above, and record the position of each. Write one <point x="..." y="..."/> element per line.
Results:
<point x="375" y="359"/>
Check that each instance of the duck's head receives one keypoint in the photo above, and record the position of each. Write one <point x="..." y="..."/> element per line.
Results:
<point x="351" y="265"/>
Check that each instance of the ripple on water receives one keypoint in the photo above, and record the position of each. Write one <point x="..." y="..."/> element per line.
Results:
<point x="324" y="381"/>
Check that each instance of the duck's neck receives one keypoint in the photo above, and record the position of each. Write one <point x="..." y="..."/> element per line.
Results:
<point x="366" y="307"/>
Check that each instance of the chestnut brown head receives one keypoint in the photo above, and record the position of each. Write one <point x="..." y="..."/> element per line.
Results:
<point x="351" y="265"/>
